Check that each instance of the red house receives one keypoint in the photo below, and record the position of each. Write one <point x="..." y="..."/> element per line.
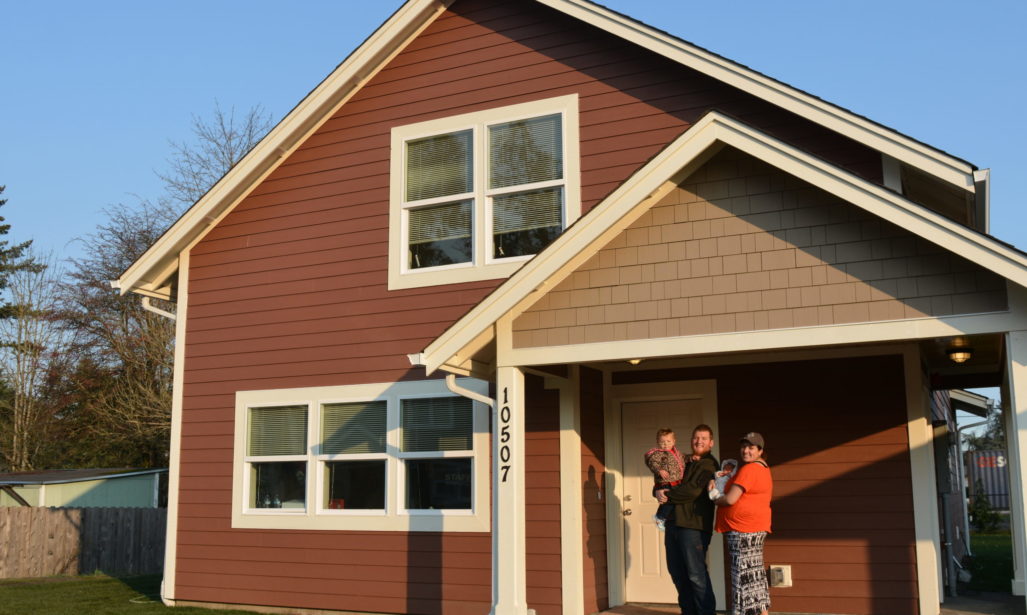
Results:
<point x="427" y="327"/>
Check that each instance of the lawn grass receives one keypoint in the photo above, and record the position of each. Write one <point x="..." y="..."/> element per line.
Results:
<point x="992" y="565"/>
<point x="94" y="594"/>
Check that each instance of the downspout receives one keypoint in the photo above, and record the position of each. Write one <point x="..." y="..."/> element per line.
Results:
<point x="149" y="307"/>
<point x="416" y="361"/>
<point x="156" y="310"/>
<point x="459" y="390"/>
<point x="962" y="481"/>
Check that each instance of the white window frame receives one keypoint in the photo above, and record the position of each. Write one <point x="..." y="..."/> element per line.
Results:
<point x="482" y="266"/>
<point x="315" y="516"/>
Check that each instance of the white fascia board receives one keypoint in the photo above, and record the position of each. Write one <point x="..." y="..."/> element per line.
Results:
<point x="81" y="479"/>
<point x="862" y="130"/>
<point x="160" y="261"/>
<point x="677" y="160"/>
<point x="767" y="340"/>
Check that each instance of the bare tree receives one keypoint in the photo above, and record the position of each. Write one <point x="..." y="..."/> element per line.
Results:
<point x="125" y="354"/>
<point x="131" y="348"/>
<point x="34" y="348"/>
<point x="218" y="143"/>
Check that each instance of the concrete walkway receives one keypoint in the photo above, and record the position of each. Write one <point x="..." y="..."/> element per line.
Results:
<point x="984" y="603"/>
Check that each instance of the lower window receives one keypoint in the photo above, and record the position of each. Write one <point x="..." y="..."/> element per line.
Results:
<point x="392" y="456"/>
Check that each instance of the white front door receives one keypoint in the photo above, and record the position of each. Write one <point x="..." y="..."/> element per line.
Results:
<point x="645" y="565"/>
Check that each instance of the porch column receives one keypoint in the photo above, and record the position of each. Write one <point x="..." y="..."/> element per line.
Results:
<point x="509" y="587"/>
<point x="925" y="487"/>
<point x="1014" y="398"/>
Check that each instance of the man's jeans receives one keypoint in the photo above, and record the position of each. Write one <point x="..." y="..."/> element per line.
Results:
<point x="686" y="563"/>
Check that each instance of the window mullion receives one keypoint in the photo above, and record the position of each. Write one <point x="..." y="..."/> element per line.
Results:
<point x="482" y="219"/>
<point x="439" y="200"/>
<point x="525" y="187"/>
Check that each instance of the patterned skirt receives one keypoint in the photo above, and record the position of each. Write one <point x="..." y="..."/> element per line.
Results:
<point x="749" y="592"/>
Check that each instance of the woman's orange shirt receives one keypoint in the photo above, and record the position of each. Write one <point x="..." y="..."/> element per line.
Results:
<point x="751" y="513"/>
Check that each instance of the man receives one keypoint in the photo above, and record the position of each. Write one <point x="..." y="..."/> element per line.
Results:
<point x="691" y="527"/>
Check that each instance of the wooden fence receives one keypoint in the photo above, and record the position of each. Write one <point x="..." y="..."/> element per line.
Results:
<point x="41" y="542"/>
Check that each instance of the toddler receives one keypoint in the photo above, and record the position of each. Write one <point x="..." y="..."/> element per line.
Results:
<point x="727" y="470"/>
<point x="668" y="467"/>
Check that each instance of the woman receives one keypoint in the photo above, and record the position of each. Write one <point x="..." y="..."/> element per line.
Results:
<point x="744" y="517"/>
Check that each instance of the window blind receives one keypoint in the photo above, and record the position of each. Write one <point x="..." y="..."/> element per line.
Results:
<point x="353" y="428"/>
<point x="525" y="151"/>
<point x="440" y="222"/>
<point x="280" y="430"/>
<point x="440" y="166"/>
<point x="437" y="424"/>
<point x="527" y="210"/>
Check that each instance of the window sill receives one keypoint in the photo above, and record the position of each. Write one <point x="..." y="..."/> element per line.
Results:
<point x="420" y="522"/>
<point x="438" y="277"/>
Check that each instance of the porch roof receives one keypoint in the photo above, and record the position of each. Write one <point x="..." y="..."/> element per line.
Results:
<point x="455" y="349"/>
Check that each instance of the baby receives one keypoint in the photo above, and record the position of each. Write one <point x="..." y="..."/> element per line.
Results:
<point x="720" y="478"/>
<point x="668" y="467"/>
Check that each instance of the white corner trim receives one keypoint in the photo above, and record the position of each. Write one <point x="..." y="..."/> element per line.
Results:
<point x="1014" y="408"/>
<point x="924" y="485"/>
<point x="660" y="175"/>
<point x="876" y="136"/>
<point x="175" y="453"/>
<point x="306" y="117"/>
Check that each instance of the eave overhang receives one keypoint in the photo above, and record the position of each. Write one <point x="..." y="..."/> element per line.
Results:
<point x="454" y="349"/>
<point x="152" y="273"/>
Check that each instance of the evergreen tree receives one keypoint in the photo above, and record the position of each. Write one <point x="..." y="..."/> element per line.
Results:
<point x="12" y="259"/>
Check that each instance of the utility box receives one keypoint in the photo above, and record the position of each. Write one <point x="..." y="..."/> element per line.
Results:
<point x="780" y="576"/>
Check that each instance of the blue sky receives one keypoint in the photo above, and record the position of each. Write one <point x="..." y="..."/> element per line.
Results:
<point x="94" y="91"/>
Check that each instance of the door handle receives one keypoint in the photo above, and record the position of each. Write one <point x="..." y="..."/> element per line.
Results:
<point x="627" y="512"/>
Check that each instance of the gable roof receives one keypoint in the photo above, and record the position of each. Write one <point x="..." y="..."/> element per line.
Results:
<point x="150" y="274"/>
<point x="53" y="477"/>
<point x="453" y="349"/>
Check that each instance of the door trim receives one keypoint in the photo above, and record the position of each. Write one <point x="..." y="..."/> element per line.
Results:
<point x="617" y="395"/>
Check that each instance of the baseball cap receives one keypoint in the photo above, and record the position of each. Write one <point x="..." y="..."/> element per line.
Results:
<point x="754" y="438"/>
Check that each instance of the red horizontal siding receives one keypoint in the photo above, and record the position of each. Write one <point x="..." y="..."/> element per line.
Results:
<point x="542" y="498"/>
<point x="595" y="588"/>
<point x="839" y="453"/>
<point x="289" y="290"/>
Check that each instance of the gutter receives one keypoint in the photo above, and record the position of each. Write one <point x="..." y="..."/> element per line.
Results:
<point x="416" y="360"/>
<point x="149" y="307"/>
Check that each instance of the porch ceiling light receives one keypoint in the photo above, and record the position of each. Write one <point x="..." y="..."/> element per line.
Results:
<point x="960" y="354"/>
<point x="634" y="361"/>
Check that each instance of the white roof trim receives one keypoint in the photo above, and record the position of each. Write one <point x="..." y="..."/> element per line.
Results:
<point x="876" y="136"/>
<point x="714" y="129"/>
<point x="147" y="273"/>
<point x="160" y="261"/>
<point x="61" y="481"/>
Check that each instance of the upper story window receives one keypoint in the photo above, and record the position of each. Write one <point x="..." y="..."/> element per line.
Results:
<point x="475" y="195"/>
<point x="396" y="456"/>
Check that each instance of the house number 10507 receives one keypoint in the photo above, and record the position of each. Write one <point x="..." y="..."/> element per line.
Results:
<point x="504" y="436"/>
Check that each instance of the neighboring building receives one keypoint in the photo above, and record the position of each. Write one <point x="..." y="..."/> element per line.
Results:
<point x="988" y="477"/>
<point x="608" y="230"/>
<point x="92" y="488"/>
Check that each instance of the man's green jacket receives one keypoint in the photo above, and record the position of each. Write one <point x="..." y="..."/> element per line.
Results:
<point x="692" y="506"/>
